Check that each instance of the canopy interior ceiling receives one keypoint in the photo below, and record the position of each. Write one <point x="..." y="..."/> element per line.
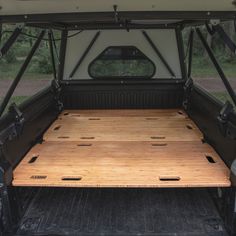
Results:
<point x="58" y="6"/>
<point x="103" y="11"/>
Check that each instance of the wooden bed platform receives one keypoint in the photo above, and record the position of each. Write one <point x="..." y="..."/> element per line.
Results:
<point x="122" y="148"/>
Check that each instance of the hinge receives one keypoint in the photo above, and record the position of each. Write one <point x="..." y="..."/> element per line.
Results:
<point x="187" y="93"/>
<point x="56" y="86"/>
<point x="227" y="128"/>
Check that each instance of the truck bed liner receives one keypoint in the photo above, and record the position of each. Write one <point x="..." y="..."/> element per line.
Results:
<point x="122" y="148"/>
<point x="122" y="212"/>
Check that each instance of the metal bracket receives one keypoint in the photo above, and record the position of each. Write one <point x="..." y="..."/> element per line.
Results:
<point x="60" y="105"/>
<point x="19" y="119"/>
<point x="187" y="93"/>
<point x="56" y="89"/>
<point x="116" y="14"/>
<point x="227" y="129"/>
<point x="56" y="86"/>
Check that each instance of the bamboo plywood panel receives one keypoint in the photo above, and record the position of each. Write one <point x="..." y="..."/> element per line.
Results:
<point x="122" y="148"/>
<point x="122" y="164"/>
<point x="123" y="125"/>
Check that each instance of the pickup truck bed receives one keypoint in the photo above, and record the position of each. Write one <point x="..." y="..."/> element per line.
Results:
<point x="122" y="212"/>
<point x="122" y="148"/>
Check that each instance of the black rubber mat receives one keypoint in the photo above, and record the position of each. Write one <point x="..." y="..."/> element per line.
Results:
<point x="122" y="212"/>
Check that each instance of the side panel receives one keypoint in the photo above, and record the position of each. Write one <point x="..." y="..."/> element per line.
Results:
<point x="38" y="113"/>
<point x="204" y="110"/>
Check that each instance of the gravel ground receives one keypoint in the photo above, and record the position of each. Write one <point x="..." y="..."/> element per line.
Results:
<point x="214" y="84"/>
<point x="25" y="87"/>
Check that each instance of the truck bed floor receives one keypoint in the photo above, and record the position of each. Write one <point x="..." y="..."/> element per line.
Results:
<point x="122" y="212"/>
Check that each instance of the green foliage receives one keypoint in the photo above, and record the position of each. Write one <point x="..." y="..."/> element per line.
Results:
<point x="122" y="68"/>
<point x="10" y="57"/>
<point x="41" y="63"/>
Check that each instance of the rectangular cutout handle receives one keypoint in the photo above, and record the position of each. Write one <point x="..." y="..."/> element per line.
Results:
<point x="87" y="138"/>
<point x="169" y="178"/>
<point x="71" y="178"/>
<point x="158" y="137"/>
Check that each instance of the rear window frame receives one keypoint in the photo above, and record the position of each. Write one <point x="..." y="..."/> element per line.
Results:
<point x="121" y="77"/>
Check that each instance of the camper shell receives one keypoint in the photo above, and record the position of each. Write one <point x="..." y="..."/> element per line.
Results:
<point x="141" y="151"/>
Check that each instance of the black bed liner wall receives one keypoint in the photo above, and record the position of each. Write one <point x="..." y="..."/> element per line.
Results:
<point x="122" y="96"/>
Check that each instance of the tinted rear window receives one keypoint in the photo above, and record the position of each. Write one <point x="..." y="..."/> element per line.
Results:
<point x="122" y="62"/>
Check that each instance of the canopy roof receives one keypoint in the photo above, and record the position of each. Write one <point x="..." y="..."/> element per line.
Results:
<point x="104" y="11"/>
<point x="16" y="7"/>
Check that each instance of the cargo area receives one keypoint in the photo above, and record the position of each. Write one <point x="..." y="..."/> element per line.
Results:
<point x="122" y="148"/>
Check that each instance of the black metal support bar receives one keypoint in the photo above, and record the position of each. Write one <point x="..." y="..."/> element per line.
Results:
<point x="1" y="31"/>
<point x="10" y="41"/>
<point x="217" y="66"/>
<point x="180" y="44"/>
<point x="20" y="73"/>
<point x="227" y="40"/>
<point x="81" y="17"/>
<point x="190" y="58"/>
<point x="158" y="53"/>
<point x="55" y="46"/>
<point x="62" y="55"/>
<point x="107" y="25"/>
<point x="84" y="54"/>
<point x="50" y="38"/>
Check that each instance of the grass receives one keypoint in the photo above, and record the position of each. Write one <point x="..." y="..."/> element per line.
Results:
<point x="10" y="70"/>
<point x="17" y="99"/>
<point x="203" y="68"/>
<point x="222" y="96"/>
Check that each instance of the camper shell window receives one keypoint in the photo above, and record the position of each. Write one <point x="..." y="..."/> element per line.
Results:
<point x="122" y="62"/>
